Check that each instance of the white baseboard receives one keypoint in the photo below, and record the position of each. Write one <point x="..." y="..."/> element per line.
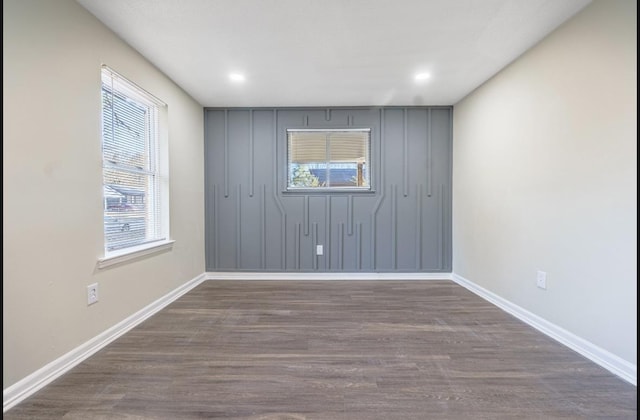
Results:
<point x="47" y="374"/>
<point x="26" y="387"/>
<point x="250" y="275"/>
<point x="598" y="355"/>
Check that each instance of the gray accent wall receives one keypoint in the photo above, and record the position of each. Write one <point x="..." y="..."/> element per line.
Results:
<point x="402" y="225"/>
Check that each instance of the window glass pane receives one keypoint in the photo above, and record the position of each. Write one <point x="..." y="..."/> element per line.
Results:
<point x="307" y="146"/>
<point x="128" y="213"/>
<point x="329" y="159"/>
<point x="125" y="127"/>
<point x="130" y="145"/>
<point x="343" y="175"/>
<point x="348" y="146"/>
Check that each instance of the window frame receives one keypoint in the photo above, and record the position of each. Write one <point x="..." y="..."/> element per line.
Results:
<point x="156" y="187"/>
<point x="330" y="189"/>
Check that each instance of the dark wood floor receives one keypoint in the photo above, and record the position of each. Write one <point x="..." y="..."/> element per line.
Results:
<point x="333" y="350"/>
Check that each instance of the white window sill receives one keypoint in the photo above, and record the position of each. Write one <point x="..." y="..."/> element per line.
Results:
<point x="133" y="253"/>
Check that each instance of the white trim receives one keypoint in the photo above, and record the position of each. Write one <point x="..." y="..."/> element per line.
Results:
<point x="47" y="374"/>
<point x="598" y="355"/>
<point x="236" y="275"/>
<point x="135" y="253"/>
<point x="129" y="86"/>
<point x="28" y="386"/>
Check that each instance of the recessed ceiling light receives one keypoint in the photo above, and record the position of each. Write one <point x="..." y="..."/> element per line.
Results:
<point x="421" y="77"/>
<point x="236" y="77"/>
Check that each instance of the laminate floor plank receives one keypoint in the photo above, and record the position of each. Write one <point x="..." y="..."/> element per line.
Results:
<point x="333" y="350"/>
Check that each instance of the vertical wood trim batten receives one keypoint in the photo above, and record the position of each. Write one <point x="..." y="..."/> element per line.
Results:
<point x="419" y="227"/>
<point x="305" y="214"/>
<point x="239" y="226"/>
<point x="213" y="224"/>
<point x="209" y="214"/>
<point x="226" y="153"/>
<point x="381" y="187"/>
<point x="314" y="242"/>
<point x="263" y="226"/>
<point x="251" y="154"/>
<point x="216" y="236"/>
<point x="341" y="246"/>
<point x="441" y="225"/>
<point x="394" y="226"/>
<point x="359" y="246"/>
<point x="372" y="229"/>
<point x="327" y="239"/>
<point x="276" y="197"/>
<point x="381" y="162"/>
<point x="296" y="245"/>
<point x="448" y="237"/>
<point x="350" y="214"/>
<point x="429" y="154"/>
<point x="405" y="154"/>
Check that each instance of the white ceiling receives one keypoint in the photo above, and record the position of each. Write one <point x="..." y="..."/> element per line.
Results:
<point x="331" y="52"/>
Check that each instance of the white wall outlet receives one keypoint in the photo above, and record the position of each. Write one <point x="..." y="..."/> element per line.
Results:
<point x="92" y="293"/>
<point x="541" y="280"/>
<point x="319" y="250"/>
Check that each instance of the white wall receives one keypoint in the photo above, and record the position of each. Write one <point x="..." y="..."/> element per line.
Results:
<point x="545" y="179"/>
<point x="52" y="185"/>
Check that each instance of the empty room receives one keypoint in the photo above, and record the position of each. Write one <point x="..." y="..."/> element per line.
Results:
<point x="305" y="209"/>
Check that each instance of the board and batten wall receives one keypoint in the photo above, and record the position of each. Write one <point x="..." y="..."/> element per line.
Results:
<point x="545" y="167"/>
<point x="254" y="224"/>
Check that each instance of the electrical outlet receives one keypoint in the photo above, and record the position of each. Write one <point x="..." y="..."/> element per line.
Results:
<point x="92" y="293"/>
<point x="319" y="250"/>
<point x="541" y="280"/>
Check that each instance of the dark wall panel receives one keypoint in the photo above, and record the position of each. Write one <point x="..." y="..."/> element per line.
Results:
<point x="402" y="225"/>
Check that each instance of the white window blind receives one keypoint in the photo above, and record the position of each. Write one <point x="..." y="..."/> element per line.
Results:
<point x="329" y="159"/>
<point x="133" y="183"/>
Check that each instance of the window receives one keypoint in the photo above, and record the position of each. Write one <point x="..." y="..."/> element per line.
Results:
<point x="328" y="159"/>
<point x="135" y="181"/>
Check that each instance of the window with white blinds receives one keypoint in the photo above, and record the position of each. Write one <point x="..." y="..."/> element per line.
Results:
<point x="135" y="193"/>
<point x="328" y="159"/>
